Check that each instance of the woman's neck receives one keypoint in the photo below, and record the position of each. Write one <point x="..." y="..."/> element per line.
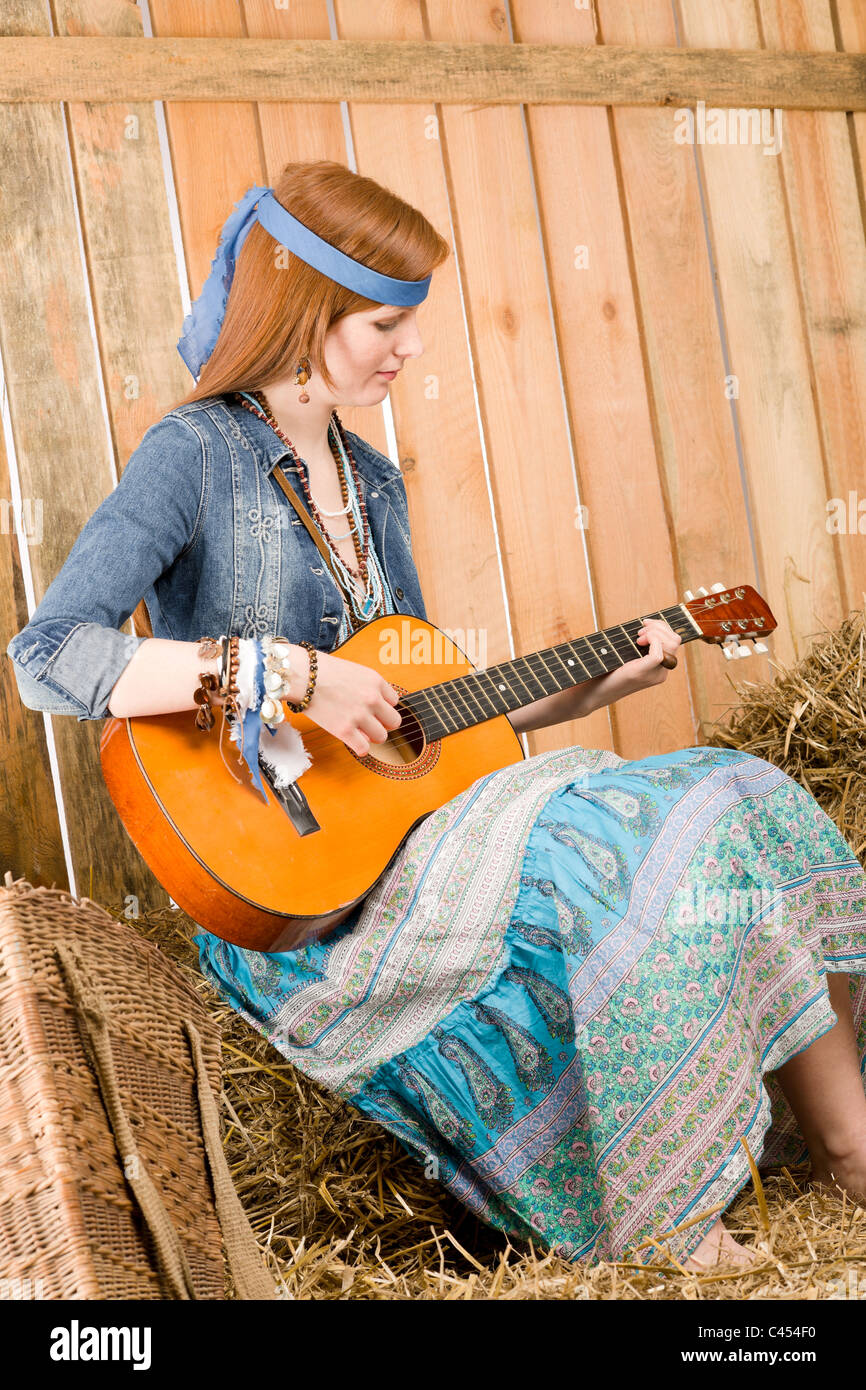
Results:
<point x="305" y="425"/>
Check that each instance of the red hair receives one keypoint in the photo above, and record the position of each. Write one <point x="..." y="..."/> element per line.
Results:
<point x="273" y="318"/>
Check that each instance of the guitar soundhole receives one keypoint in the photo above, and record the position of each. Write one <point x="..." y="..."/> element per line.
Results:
<point x="405" y="745"/>
<point x="406" y="752"/>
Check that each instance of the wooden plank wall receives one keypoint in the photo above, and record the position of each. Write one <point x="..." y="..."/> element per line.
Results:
<point x="67" y="413"/>
<point x="644" y="365"/>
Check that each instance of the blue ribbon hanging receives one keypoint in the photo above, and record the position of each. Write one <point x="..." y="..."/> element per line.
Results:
<point x="202" y="325"/>
<point x="251" y="726"/>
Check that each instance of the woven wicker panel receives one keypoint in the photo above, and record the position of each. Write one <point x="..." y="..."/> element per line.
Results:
<point x="67" y="1215"/>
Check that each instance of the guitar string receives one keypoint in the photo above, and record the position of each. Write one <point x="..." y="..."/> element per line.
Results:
<point x="438" y="699"/>
<point x="444" y="701"/>
<point x="452" y="692"/>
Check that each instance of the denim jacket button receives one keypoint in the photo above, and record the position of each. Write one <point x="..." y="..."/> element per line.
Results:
<point x="316" y="569"/>
<point x="398" y="593"/>
<point x="374" y="494"/>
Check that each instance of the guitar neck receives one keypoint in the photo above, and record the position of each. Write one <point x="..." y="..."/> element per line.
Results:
<point x="470" y="699"/>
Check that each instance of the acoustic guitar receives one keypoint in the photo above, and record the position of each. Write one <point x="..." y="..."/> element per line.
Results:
<point x="273" y="876"/>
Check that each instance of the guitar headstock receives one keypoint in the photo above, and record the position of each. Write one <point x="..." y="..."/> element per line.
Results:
<point x="731" y="616"/>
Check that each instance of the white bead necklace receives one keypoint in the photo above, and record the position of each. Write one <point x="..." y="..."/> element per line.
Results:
<point x="344" y="511"/>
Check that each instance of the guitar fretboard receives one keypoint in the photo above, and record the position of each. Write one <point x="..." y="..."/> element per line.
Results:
<point x="457" y="704"/>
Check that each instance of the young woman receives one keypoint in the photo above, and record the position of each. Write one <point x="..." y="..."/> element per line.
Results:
<point x="583" y="981"/>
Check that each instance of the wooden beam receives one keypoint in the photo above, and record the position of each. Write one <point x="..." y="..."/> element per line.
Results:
<point x="40" y="69"/>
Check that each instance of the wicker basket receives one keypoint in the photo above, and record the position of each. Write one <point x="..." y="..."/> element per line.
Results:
<point x="113" y="1182"/>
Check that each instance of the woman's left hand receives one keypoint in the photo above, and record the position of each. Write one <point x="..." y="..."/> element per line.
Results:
<point x="664" y="643"/>
<point x="637" y="674"/>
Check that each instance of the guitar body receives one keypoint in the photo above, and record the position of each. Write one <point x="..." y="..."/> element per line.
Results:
<point x="243" y="869"/>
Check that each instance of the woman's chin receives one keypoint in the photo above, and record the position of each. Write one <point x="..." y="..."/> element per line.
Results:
<point x="359" y="399"/>
<point x="372" y="394"/>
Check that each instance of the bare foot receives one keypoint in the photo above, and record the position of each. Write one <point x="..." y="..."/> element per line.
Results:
<point x="719" y="1248"/>
<point x="849" y="1174"/>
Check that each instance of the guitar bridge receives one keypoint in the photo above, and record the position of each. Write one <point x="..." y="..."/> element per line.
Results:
<point x="293" y="802"/>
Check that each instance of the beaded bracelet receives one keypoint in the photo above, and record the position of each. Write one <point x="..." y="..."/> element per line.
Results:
<point x="230" y="691"/>
<point x="311" y="683"/>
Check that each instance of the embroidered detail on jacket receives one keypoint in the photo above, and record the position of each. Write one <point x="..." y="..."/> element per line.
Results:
<point x="261" y="526"/>
<point x="256" y="620"/>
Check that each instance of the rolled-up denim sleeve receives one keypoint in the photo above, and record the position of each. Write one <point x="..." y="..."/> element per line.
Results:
<point x="71" y="654"/>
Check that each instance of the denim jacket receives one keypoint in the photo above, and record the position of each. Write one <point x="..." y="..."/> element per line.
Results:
<point x="200" y="530"/>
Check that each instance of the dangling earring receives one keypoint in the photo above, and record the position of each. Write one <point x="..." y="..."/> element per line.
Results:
<point x="304" y="372"/>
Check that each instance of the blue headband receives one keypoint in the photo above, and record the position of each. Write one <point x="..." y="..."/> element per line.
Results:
<point x="202" y="325"/>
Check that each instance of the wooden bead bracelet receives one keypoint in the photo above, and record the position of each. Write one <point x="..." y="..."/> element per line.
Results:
<point x="311" y="682"/>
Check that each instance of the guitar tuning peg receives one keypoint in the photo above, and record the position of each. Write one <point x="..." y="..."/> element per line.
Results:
<point x="703" y="592"/>
<point x="690" y="598"/>
<point x="717" y="588"/>
<point x="761" y="647"/>
<point x="732" y="647"/>
<point x="743" y="650"/>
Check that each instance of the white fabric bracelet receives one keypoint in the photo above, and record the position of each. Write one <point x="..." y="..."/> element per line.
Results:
<point x="282" y="749"/>
<point x="284" y="753"/>
<point x="246" y="673"/>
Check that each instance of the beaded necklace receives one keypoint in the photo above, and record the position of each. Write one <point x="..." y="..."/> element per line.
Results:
<point x="375" y="597"/>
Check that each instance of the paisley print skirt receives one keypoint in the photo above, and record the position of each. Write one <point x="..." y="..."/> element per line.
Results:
<point x="568" y="994"/>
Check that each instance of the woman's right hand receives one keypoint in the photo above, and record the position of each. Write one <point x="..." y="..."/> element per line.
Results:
<point x="350" y="701"/>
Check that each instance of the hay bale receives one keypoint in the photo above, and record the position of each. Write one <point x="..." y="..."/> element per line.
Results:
<point x="811" y="722"/>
